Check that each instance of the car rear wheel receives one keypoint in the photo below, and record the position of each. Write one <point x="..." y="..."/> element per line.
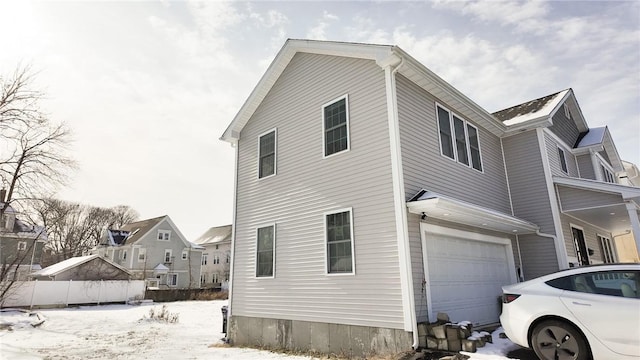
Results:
<point x="557" y="340"/>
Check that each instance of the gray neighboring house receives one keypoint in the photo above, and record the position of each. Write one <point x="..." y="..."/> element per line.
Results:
<point x="83" y="268"/>
<point x="154" y="250"/>
<point x="21" y="244"/>
<point x="216" y="256"/>
<point x="371" y="194"/>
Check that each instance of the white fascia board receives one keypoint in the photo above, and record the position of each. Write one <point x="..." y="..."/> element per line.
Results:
<point x="482" y="116"/>
<point x="612" y="151"/>
<point x="186" y="243"/>
<point x="470" y="211"/>
<point x="627" y="192"/>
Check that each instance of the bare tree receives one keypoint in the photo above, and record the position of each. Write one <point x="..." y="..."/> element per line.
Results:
<point x="34" y="159"/>
<point x="74" y="229"/>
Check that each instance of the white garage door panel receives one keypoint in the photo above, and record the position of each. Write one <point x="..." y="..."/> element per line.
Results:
<point x="465" y="276"/>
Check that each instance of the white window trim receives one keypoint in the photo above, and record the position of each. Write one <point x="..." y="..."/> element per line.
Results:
<point x="602" y="162"/>
<point x="185" y="255"/>
<point x="275" y="153"/>
<point x="170" y="275"/>
<point x="164" y="256"/>
<point x="205" y="259"/>
<point x="346" y="104"/>
<point x="142" y="252"/>
<point x="163" y="232"/>
<point x="273" y="256"/>
<point x="22" y="245"/>
<point x="564" y="155"/>
<point x="326" y="244"/>
<point x="453" y="138"/>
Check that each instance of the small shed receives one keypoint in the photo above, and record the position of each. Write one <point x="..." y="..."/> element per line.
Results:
<point x="83" y="268"/>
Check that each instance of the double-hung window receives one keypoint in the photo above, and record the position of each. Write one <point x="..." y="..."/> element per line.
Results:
<point x="607" y="249"/>
<point x="22" y="246"/>
<point x="265" y="251"/>
<point x="339" y="235"/>
<point x="267" y="154"/>
<point x="142" y="255"/>
<point x="563" y="161"/>
<point x="164" y="235"/>
<point x="459" y="139"/>
<point x="172" y="279"/>
<point x="168" y="255"/>
<point x="335" y="126"/>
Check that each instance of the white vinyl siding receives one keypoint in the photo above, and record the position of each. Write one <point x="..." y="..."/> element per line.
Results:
<point x="297" y="198"/>
<point x="458" y="139"/>
<point x="557" y="151"/>
<point x="267" y="154"/>
<point x="335" y="126"/>
<point x="424" y="168"/>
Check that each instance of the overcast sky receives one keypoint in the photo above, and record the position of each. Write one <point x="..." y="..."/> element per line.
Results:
<point x="149" y="87"/>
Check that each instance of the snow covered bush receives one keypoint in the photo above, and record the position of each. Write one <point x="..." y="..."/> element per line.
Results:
<point x="162" y="315"/>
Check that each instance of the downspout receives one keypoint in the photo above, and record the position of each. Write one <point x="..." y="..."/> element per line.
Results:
<point x="391" y="65"/>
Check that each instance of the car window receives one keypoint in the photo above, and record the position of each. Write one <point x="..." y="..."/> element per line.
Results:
<point x="611" y="283"/>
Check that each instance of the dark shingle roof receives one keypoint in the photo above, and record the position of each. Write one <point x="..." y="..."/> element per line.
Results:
<point x="524" y="108"/>
<point x="130" y="233"/>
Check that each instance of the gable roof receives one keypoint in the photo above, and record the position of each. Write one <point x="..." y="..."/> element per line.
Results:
<point x="215" y="235"/>
<point x="383" y="55"/>
<point x="541" y="111"/>
<point x="65" y="265"/>
<point x="138" y="229"/>
<point x="531" y="109"/>
<point x="600" y="139"/>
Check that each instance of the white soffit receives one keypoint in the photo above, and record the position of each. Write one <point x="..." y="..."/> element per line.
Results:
<point x="441" y="207"/>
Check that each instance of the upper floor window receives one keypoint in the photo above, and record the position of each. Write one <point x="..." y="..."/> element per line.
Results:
<point x="339" y="235"/>
<point x="567" y="113"/>
<point x="607" y="175"/>
<point x="459" y="139"/>
<point x="185" y="254"/>
<point x="164" y="235"/>
<point x="265" y="251"/>
<point x="142" y="255"/>
<point x="267" y="154"/>
<point x="22" y="246"/>
<point x="335" y="126"/>
<point x="563" y="161"/>
<point x="205" y="258"/>
<point x="167" y="255"/>
<point x="216" y="259"/>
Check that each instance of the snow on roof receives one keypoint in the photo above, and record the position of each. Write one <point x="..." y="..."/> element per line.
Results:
<point x="64" y="265"/>
<point x="161" y="267"/>
<point x="214" y="235"/>
<point x="593" y="137"/>
<point x="530" y="110"/>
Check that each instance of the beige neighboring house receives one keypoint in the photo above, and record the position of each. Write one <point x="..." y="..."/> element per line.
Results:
<point x="216" y="256"/>
<point x="154" y="250"/>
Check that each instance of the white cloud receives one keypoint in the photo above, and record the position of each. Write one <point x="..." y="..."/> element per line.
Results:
<point x="318" y="32"/>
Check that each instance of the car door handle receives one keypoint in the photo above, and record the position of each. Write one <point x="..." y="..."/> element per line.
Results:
<point x="579" y="303"/>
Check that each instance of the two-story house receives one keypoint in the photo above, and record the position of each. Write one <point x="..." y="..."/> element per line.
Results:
<point x="154" y="250"/>
<point x="216" y="256"/>
<point x="21" y="244"/>
<point x="371" y="194"/>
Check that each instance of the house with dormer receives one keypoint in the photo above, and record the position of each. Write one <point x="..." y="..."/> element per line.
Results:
<point x="371" y="195"/>
<point x="154" y="250"/>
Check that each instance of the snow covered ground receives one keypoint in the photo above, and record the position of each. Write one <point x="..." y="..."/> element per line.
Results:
<point x="121" y="332"/>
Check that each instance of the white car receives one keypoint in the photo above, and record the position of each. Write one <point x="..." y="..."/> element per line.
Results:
<point x="584" y="313"/>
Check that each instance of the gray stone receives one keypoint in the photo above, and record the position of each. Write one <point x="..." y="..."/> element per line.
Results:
<point x="339" y="339"/>
<point x="383" y="341"/>
<point x="360" y="340"/>
<point x="443" y="317"/>
<point x="439" y="332"/>
<point x="468" y="345"/>
<point x="283" y="334"/>
<point x="301" y="335"/>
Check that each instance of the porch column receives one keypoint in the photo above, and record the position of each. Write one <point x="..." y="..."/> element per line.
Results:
<point x="635" y="223"/>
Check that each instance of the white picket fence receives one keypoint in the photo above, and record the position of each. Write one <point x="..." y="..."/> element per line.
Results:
<point x="65" y="293"/>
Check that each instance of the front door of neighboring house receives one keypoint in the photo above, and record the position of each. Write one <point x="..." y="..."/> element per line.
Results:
<point x="581" y="246"/>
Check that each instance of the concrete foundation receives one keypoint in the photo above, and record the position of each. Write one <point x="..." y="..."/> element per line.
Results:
<point x="345" y="340"/>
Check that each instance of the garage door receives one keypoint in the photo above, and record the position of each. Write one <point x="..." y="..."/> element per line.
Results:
<point x="464" y="273"/>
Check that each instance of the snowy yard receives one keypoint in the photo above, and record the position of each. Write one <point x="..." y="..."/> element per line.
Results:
<point x="120" y="332"/>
